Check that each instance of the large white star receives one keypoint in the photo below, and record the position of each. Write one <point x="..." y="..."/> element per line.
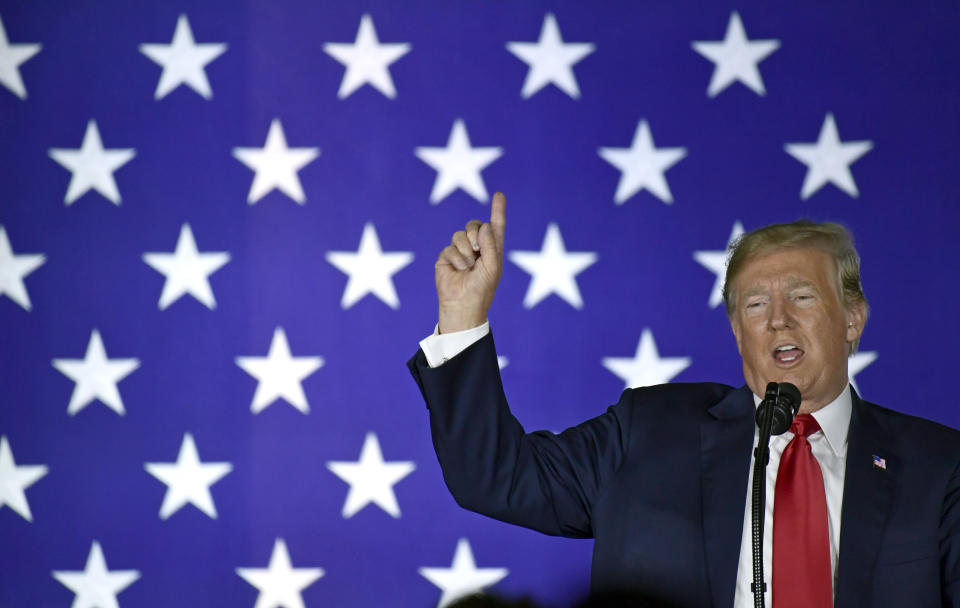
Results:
<point x="183" y="61"/>
<point x="553" y="269"/>
<point x="279" y="374"/>
<point x="550" y="59"/>
<point x="458" y="165"/>
<point x="13" y="269"/>
<point x="95" y="586"/>
<point x="829" y="160"/>
<point x="96" y="376"/>
<point x="11" y="56"/>
<point x="92" y="166"/>
<point x="646" y="367"/>
<point x="370" y="269"/>
<point x="280" y="583"/>
<point x="187" y="270"/>
<point x="736" y="58"/>
<point x="642" y="165"/>
<point x="367" y="60"/>
<point x="371" y="479"/>
<point x="275" y="165"/>
<point x="716" y="262"/>
<point x="15" y="479"/>
<point x="857" y="362"/>
<point x="463" y="577"/>
<point x="188" y="480"/>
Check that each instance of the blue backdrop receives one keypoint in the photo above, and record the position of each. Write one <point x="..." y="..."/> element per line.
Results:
<point x="187" y="189"/>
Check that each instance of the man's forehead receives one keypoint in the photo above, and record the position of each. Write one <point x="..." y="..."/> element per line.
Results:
<point x="789" y="266"/>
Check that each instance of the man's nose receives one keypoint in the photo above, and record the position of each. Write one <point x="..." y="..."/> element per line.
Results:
<point x="780" y="317"/>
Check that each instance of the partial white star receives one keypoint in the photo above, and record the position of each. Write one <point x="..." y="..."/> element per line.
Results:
<point x="371" y="479"/>
<point x="716" y="262"/>
<point x="502" y="362"/>
<point x="279" y="374"/>
<point x="187" y="270"/>
<point x="15" y="479"/>
<point x="370" y="269"/>
<point x="736" y="58"/>
<point x="13" y="269"/>
<point x="829" y="160"/>
<point x="367" y="60"/>
<point x="280" y="583"/>
<point x="92" y="166"/>
<point x="856" y="363"/>
<point x="553" y="269"/>
<point x="95" y="586"/>
<point x="646" y="367"/>
<point x="463" y="577"/>
<point x="188" y="480"/>
<point x="11" y="56"/>
<point x="551" y="60"/>
<point x="183" y="61"/>
<point x="96" y="376"/>
<point x="642" y="165"/>
<point x="458" y="165"/>
<point x="275" y="165"/>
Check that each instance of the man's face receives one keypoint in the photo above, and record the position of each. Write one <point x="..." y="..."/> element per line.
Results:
<point x="791" y="324"/>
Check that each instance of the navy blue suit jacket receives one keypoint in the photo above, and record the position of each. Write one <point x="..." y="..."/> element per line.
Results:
<point x="659" y="481"/>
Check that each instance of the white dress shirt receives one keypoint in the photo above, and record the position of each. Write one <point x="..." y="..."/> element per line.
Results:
<point x="829" y="447"/>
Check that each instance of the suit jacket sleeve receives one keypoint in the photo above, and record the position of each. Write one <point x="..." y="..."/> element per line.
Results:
<point x="950" y="542"/>
<point x="538" y="480"/>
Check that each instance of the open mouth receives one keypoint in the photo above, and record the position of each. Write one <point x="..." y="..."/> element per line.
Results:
<point x="787" y="354"/>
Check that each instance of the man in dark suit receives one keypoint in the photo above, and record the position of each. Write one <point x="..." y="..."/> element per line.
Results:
<point x="867" y="508"/>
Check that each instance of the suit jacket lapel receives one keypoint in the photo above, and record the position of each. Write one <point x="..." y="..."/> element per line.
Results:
<point x="868" y="492"/>
<point x="725" y="445"/>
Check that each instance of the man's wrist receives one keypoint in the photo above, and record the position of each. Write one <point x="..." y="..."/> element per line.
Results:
<point x="455" y="320"/>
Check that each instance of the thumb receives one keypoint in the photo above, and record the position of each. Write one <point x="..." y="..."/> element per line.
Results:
<point x="489" y="255"/>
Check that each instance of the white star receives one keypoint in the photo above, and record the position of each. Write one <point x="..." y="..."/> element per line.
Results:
<point x="95" y="586"/>
<point x="553" y="269"/>
<point x="463" y="577"/>
<point x="188" y="480"/>
<point x="15" y="479"/>
<point x="550" y="59"/>
<point x="829" y="160"/>
<point x="187" y="270"/>
<point x="366" y="60"/>
<point x="96" y="376"/>
<point x="371" y="479"/>
<point x="92" y="166"/>
<point x="13" y="269"/>
<point x="647" y="367"/>
<point x="458" y="165"/>
<point x="716" y="262"/>
<point x="276" y="165"/>
<point x="279" y="374"/>
<point x="11" y="56"/>
<point x="370" y="269"/>
<point x="642" y="165"/>
<point x="736" y="58"/>
<point x="857" y="362"/>
<point x="280" y="583"/>
<point x="183" y="61"/>
<point x="502" y="362"/>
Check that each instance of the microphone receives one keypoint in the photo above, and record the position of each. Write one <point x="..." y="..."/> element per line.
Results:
<point x="783" y="400"/>
<point x="774" y="416"/>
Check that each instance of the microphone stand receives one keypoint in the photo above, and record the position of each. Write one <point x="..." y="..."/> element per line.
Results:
<point x="774" y="415"/>
<point x="761" y="456"/>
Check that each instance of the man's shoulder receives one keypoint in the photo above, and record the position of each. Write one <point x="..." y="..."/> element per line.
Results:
<point x="691" y="399"/>
<point x="916" y="431"/>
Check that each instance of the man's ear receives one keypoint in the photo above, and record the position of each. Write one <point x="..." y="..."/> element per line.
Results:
<point x="856" y="319"/>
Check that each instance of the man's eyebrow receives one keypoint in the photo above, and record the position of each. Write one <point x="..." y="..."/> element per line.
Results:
<point x="755" y="290"/>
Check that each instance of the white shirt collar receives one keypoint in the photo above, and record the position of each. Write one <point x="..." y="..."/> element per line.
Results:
<point x="833" y="418"/>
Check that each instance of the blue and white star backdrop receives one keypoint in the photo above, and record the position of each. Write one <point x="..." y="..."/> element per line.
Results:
<point x="218" y="225"/>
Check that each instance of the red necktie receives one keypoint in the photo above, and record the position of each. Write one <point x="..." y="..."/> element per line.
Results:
<point x="802" y="577"/>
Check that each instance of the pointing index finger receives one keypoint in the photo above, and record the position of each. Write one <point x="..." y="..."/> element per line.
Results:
<point x="498" y="218"/>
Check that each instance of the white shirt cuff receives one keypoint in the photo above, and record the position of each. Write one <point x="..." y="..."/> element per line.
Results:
<point x="438" y="348"/>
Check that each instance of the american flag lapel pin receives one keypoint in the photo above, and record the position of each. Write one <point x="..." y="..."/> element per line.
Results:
<point x="879" y="463"/>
